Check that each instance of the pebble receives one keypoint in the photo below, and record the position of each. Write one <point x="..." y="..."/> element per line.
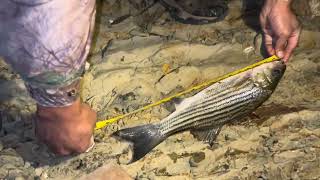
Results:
<point x="10" y="160"/>
<point x="288" y="155"/>
<point x="19" y="178"/>
<point x="14" y="173"/>
<point x="44" y="175"/>
<point x="125" y="157"/>
<point x="285" y="121"/>
<point x="27" y="164"/>
<point x="248" y="50"/>
<point x="180" y="167"/>
<point x="108" y="172"/>
<point x="38" y="171"/>
<point x="87" y="66"/>
<point x="242" y="146"/>
<point x="196" y="158"/>
<point x="3" y="172"/>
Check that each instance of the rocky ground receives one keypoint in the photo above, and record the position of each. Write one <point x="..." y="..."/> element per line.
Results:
<point x="139" y="57"/>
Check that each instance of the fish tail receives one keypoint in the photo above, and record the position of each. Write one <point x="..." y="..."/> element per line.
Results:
<point x="143" y="138"/>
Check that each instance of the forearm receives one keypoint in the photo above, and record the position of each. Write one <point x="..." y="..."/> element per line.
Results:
<point x="284" y="3"/>
<point x="278" y="1"/>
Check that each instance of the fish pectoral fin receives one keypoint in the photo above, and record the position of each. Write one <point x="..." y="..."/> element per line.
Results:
<point x="207" y="135"/>
<point x="177" y="101"/>
<point x="180" y="103"/>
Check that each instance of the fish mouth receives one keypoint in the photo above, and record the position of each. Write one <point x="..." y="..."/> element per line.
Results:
<point x="275" y="73"/>
<point x="279" y="67"/>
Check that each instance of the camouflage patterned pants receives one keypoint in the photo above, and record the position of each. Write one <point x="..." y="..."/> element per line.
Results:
<point x="47" y="42"/>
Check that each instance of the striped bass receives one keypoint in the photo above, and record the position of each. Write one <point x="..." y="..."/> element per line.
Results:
<point x="205" y="113"/>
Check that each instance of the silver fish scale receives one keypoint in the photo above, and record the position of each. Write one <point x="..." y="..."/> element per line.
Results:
<point x="215" y="109"/>
<point x="227" y="102"/>
<point x="212" y="95"/>
<point x="211" y="99"/>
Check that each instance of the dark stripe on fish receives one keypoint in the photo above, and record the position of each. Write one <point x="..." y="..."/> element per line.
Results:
<point x="201" y="105"/>
<point x="210" y="112"/>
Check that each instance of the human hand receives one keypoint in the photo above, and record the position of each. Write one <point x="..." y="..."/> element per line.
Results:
<point x="281" y="28"/>
<point x="66" y="130"/>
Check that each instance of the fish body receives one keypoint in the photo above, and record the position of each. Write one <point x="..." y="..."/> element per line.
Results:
<point x="206" y="112"/>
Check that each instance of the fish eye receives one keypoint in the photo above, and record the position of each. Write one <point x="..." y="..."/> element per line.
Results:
<point x="277" y="72"/>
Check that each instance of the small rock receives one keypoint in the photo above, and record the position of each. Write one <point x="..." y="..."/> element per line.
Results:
<point x="234" y="11"/>
<point x="27" y="164"/>
<point x="108" y="172"/>
<point x="135" y="32"/>
<point x="288" y="155"/>
<point x="230" y="134"/>
<point x="196" y="158"/>
<point x="125" y="158"/>
<point x="161" y="171"/>
<point x="14" y="173"/>
<point x="180" y="167"/>
<point x="285" y="121"/>
<point x="242" y="146"/>
<point x="44" y="175"/>
<point x="3" y="172"/>
<point x="38" y="171"/>
<point x="160" y="31"/>
<point x="87" y="66"/>
<point x="19" y="178"/>
<point x="248" y="50"/>
<point x="15" y="161"/>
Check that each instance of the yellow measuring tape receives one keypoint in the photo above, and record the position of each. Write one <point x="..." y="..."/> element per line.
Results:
<point x="106" y="122"/>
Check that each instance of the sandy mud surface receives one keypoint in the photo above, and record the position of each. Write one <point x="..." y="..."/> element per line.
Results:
<point x="148" y="56"/>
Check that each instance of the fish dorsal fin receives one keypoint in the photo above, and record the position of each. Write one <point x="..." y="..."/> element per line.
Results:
<point x="207" y="135"/>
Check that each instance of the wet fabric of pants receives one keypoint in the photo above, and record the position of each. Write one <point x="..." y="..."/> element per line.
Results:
<point x="47" y="42"/>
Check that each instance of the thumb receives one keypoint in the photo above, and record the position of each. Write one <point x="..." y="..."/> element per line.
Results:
<point x="280" y="46"/>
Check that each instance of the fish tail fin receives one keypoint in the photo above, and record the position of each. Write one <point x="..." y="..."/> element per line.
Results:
<point x="143" y="138"/>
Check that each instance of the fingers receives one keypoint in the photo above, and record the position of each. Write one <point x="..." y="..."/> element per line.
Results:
<point x="268" y="44"/>
<point x="66" y="130"/>
<point x="280" y="46"/>
<point x="267" y="34"/>
<point x="286" y="44"/>
<point x="292" y="44"/>
<point x="281" y="29"/>
<point x="283" y="47"/>
<point x="73" y="145"/>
